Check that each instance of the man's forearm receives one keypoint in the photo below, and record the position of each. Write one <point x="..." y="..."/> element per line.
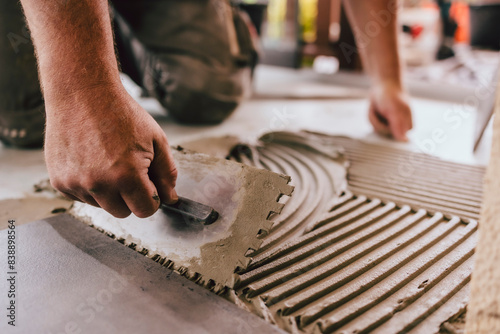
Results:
<point x="375" y="28"/>
<point x="101" y="146"/>
<point x="74" y="45"/>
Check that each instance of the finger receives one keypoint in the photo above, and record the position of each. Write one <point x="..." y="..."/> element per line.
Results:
<point x="80" y="197"/>
<point x="409" y="120"/>
<point x="69" y="196"/>
<point x="89" y="200"/>
<point x="140" y="196"/>
<point x="66" y="191"/>
<point x="112" y="203"/>
<point x="163" y="171"/>
<point x="400" y="123"/>
<point x="379" y="125"/>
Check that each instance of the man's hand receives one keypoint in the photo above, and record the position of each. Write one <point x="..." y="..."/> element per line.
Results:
<point x="101" y="147"/>
<point x="109" y="153"/>
<point x="389" y="111"/>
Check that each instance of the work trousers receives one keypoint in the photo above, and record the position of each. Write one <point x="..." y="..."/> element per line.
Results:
<point x="194" y="56"/>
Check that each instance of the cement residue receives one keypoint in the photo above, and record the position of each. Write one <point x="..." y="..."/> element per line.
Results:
<point x="325" y="250"/>
<point x="454" y="325"/>
<point x="31" y="208"/>
<point x="218" y="147"/>
<point x="44" y="202"/>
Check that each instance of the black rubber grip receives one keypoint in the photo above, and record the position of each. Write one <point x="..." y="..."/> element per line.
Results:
<point x="192" y="210"/>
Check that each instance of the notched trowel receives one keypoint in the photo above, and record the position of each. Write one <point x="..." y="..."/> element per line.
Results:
<point x="244" y="198"/>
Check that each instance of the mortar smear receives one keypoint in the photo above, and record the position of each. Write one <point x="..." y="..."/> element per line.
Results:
<point x="382" y="245"/>
<point x="383" y="252"/>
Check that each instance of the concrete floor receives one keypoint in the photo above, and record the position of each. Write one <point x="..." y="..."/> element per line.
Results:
<point x="442" y="128"/>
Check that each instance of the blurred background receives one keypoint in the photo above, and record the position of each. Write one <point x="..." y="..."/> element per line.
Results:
<point x="449" y="50"/>
<point x="453" y="42"/>
<point x="310" y="75"/>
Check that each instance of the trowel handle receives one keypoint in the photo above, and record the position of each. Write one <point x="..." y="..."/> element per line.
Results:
<point x="192" y="210"/>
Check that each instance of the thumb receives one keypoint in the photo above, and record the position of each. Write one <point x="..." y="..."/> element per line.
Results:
<point x="163" y="171"/>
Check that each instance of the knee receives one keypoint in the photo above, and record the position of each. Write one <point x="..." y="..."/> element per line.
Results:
<point x="196" y="93"/>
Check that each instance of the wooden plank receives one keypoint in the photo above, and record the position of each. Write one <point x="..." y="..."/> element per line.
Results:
<point x="483" y="315"/>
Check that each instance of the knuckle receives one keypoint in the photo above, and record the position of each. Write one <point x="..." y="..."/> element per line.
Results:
<point x="90" y="183"/>
<point x="162" y="138"/>
<point x="124" y="174"/>
<point x="64" y="184"/>
<point x="68" y="196"/>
